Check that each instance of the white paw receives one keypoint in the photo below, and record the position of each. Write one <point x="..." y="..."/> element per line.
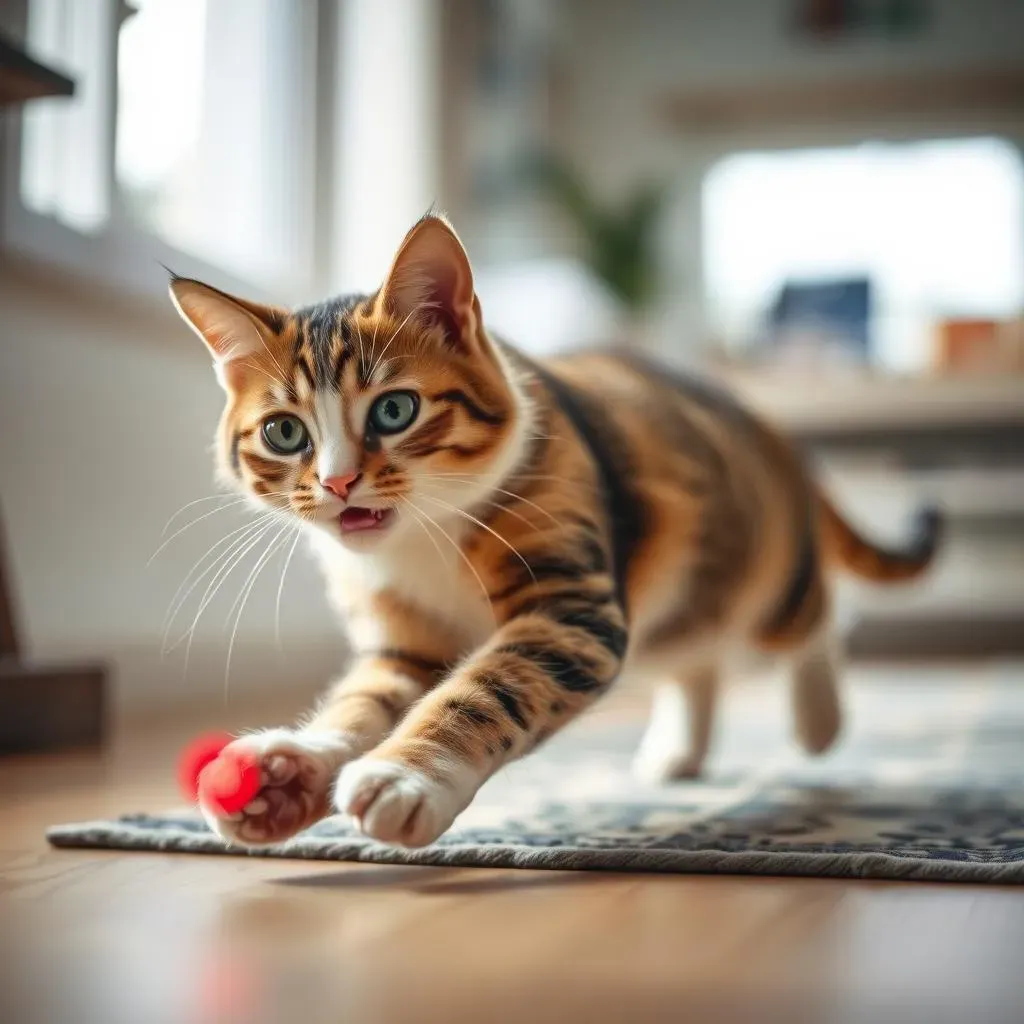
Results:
<point x="394" y="804"/>
<point x="665" y="765"/>
<point x="296" y="769"/>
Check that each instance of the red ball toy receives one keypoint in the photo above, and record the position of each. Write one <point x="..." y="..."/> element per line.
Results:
<point x="227" y="780"/>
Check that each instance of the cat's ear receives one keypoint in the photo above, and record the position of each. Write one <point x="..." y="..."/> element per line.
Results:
<point x="431" y="281"/>
<point x="231" y="328"/>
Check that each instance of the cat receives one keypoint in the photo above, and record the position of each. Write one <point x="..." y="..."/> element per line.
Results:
<point x="503" y="538"/>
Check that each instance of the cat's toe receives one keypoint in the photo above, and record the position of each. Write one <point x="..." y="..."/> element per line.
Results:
<point x="395" y="804"/>
<point x="296" y="770"/>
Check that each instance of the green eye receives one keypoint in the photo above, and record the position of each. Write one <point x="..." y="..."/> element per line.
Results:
<point x="393" y="411"/>
<point x="285" y="435"/>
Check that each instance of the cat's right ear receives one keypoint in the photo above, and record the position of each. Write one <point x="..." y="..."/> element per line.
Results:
<point x="234" y="330"/>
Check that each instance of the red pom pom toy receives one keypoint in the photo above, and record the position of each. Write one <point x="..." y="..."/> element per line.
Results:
<point x="227" y="781"/>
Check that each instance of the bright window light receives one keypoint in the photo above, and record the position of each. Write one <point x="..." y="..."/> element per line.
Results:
<point x="161" y="73"/>
<point x="938" y="227"/>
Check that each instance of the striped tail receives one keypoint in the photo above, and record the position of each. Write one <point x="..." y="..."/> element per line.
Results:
<point x="845" y="548"/>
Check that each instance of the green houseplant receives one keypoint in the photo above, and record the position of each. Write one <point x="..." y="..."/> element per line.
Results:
<point x="619" y="242"/>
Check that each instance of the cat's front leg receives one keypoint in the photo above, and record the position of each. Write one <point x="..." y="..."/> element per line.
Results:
<point x="299" y="765"/>
<point x="538" y="672"/>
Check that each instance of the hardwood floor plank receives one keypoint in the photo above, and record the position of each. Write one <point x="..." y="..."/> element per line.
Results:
<point x="105" y="936"/>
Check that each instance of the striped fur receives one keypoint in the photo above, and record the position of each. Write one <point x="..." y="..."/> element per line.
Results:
<point x="549" y="528"/>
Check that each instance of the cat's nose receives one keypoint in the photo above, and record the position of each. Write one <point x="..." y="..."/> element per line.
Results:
<point x="340" y="485"/>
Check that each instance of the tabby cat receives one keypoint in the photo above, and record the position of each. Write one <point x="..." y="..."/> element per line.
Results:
<point x="504" y="538"/>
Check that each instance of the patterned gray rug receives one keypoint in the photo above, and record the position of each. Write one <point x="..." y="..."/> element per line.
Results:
<point x="927" y="784"/>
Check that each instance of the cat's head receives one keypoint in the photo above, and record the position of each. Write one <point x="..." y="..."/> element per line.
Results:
<point x="365" y="416"/>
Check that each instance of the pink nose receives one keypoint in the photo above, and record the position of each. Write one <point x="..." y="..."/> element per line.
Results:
<point x="341" y="484"/>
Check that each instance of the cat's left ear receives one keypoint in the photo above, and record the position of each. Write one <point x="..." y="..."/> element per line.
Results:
<point x="431" y="281"/>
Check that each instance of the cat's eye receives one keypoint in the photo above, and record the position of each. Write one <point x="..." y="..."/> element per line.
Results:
<point x="393" y="411"/>
<point x="285" y="435"/>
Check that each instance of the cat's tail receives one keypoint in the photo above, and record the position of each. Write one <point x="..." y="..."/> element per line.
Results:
<point x="845" y="548"/>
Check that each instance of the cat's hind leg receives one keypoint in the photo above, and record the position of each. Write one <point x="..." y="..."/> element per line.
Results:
<point x="678" y="734"/>
<point x="814" y="694"/>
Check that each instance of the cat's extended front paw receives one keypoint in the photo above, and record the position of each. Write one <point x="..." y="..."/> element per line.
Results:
<point x="296" y="771"/>
<point x="393" y="803"/>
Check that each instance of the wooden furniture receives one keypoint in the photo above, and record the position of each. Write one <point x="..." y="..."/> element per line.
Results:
<point x="22" y="78"/>
<point x="42" y="707"/>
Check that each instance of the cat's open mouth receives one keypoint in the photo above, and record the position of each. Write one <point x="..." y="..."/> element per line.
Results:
<point x="355" y="518"/>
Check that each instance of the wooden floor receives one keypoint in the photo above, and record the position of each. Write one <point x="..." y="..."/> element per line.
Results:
<point x="148" y="938"/>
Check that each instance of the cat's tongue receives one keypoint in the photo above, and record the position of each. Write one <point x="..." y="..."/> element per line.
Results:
<point x="356" y="518"/>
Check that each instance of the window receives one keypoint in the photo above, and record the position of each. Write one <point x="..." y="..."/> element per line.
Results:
<point x="264" y="145"/>
<point x="215" y="130"/>
<point x="63" y="169"/>
<point x="161" y="80"/>
<point x="191" y="141"/>
<point x="937" y="227"/>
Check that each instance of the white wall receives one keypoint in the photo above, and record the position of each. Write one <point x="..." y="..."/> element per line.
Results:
<point x="107" y="415"/>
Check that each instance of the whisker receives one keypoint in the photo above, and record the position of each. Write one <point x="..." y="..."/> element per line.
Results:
<point x="231" y="610"/>
<point x="419" y="520"/>
<point x="223" y="562"/>
<point x="510" y="511"/>
<point x="243" y="597"/>
<point x="400" y="358"/>
<point x="520" y="476"/>
<point x="197" y="501"/>
<point x="397" y="331"/>
<point x="484" y="526"/>
<point x="214" y="586"/>
<point x="362" y="346"/>
<point x="188" y="526"/>
<point x="175" y="604"/>
<point x="501" y="490"/>
<point x="273" y="358"/>
<point x="280" y="586"/>
<point x="267" y="374"/>
<point x="462" y="554"/>
<point x="373" y="341"/>
<point x="199" y="519"/>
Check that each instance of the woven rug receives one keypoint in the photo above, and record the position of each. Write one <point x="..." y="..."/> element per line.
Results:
<point x="927" y="783"/>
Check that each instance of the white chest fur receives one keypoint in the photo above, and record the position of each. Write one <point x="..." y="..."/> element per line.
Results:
<point x="434" y="578"/>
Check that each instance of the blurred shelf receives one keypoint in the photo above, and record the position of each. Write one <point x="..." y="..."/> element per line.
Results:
<point x="948" y="636"/>
<point x="934" y="421"/>
<point x="23" y="79"/>
<point x="863" y="99"/>
<point x="840" y="402"/>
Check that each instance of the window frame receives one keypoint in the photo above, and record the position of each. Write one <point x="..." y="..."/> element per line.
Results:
<point x="122" y="255"/>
